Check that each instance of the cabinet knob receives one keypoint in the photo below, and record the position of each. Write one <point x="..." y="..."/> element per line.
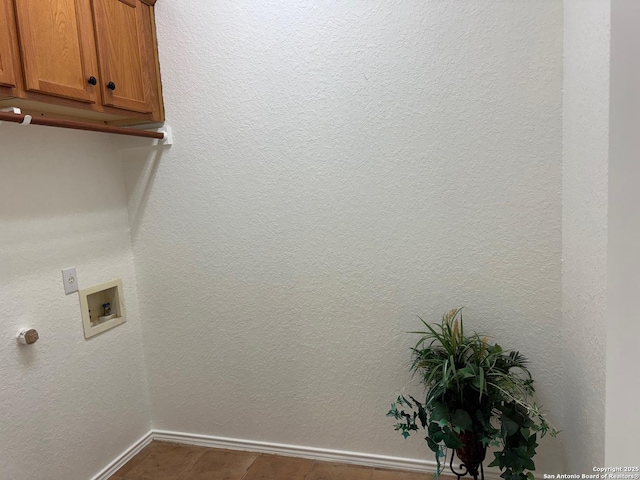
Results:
<point x="92" y="80"/>
<point x="111" y="86"/>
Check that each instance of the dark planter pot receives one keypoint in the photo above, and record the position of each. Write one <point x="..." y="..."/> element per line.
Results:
<point x="473" y="453"/>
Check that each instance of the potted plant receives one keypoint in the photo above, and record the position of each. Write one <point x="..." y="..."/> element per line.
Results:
<point x="477" y="395"/>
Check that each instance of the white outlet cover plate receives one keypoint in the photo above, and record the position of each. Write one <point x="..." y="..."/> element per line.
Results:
<point x="70" y="280"/>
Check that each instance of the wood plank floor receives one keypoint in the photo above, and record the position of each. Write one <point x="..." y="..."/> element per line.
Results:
<point x="169" y="461"/>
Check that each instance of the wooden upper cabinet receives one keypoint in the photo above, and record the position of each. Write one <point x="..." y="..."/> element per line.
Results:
<point x="7" y="68"/>
<point x="57" y="48"/>
<point x="86" y="59"/>
<point x="121" y="45"/>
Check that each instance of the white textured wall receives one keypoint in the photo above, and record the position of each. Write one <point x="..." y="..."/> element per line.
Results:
<point x="340" y="167"/>
<point x="68" y="406"/>
<point x="584" y="229"/>
<point x="623" y="261"/>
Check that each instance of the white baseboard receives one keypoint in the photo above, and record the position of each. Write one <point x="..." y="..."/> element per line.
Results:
<point x="340" y="456"/>
<point x="327" y="455"/>
<point x="124" y="457"/>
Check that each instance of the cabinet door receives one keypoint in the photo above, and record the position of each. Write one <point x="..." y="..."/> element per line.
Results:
<point x="57" y="47"/>
<point x="7" y="73"/>
<point x="121" y="46"/>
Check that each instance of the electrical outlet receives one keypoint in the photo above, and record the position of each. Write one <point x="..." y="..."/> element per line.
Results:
<point x="70" y="280"/>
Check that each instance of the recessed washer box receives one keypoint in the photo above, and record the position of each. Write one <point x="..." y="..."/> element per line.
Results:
<point x="102" y="307"/>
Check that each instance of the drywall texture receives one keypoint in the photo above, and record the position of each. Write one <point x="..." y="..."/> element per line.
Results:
<point x="338" y="168"/>
<point x="623" y="259"/>
<point x="68" y="406"/>
<point x="584" y="229"/>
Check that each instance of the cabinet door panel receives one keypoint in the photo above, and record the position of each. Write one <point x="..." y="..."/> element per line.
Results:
<point x="7" y="72"/>
<point x="56" y="47"/>
<point x="121" y="47"/>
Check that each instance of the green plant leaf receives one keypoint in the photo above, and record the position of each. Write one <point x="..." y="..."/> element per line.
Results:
<point x="440" y="414"/>
<point x="432" y="445"/>
<point x="496" y="460"/>
<point x="508" y="426"/>
<point x="422" y="413"/>
<point x="462" y="419"/>
<point x="450" y="440"/>
<point x="528" y="464"/>
<point x="466" y="372"/>
<point x="437" y="436"/>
